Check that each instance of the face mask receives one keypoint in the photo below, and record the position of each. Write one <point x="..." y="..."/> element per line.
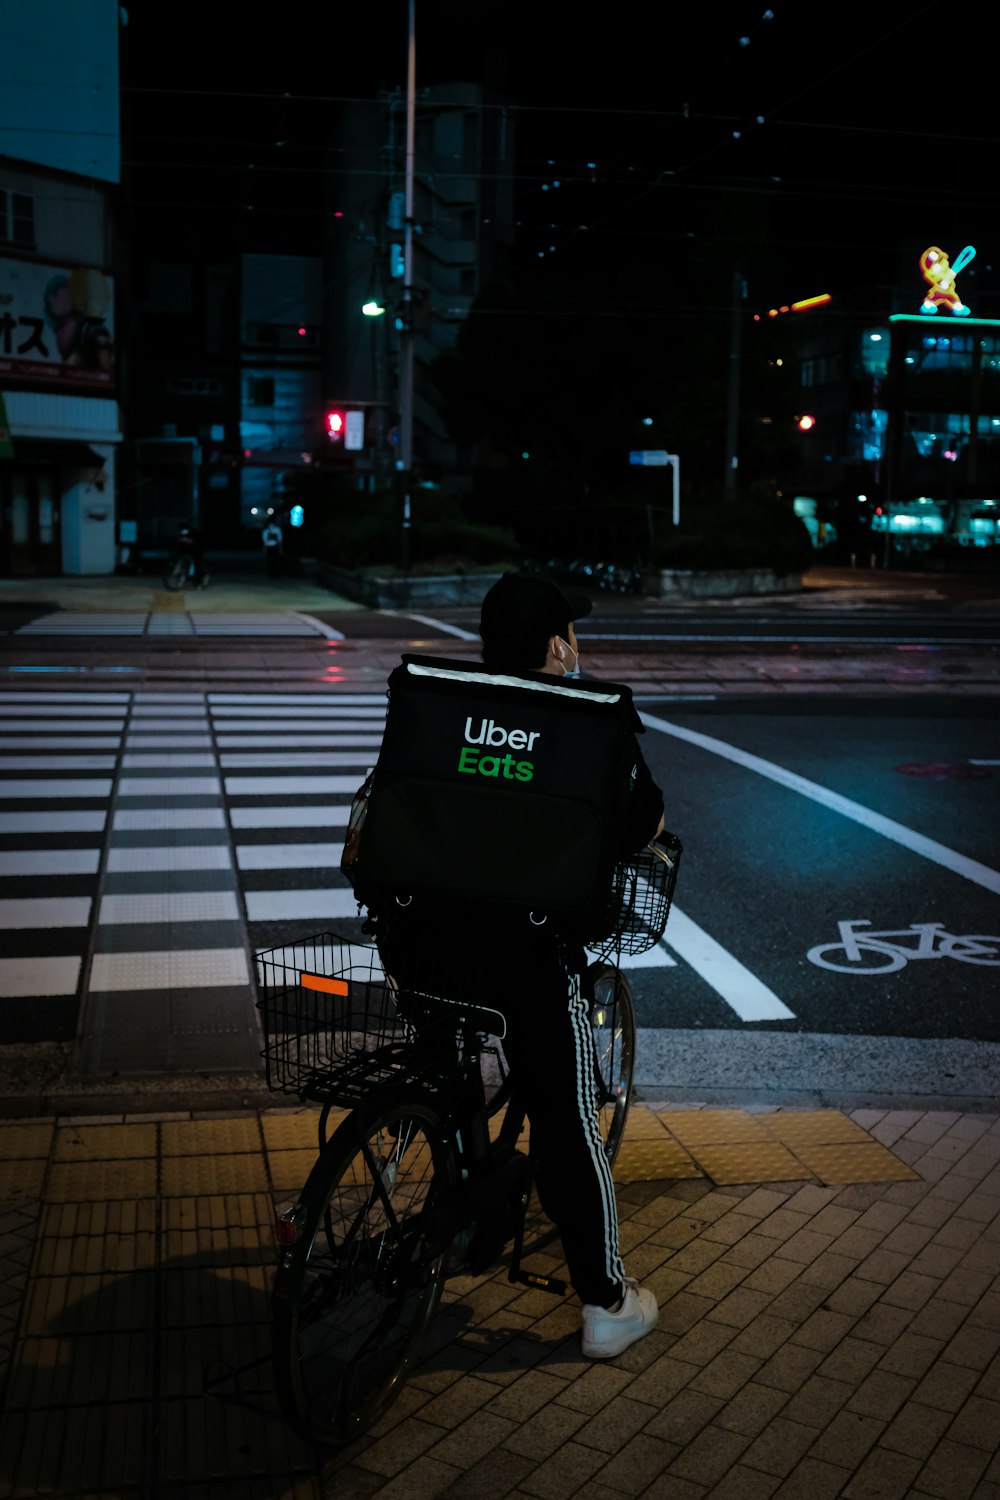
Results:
<point x="574" y="671"/>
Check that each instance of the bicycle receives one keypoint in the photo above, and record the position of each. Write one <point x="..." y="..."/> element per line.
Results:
<point x="179" y="571"/>
<point x="425" y="1178"/>
<point x="932" y="942"/>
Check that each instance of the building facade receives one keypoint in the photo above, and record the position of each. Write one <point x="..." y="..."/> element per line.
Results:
<point x="59" y="412"/>
<point x="895" y="403"/>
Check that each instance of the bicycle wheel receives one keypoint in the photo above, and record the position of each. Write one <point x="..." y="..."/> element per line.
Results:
<point x="355" y="1292"/>
<point x="889" y="960"/>
<point x="612" y="1017"/>
<point x="175" y="574"/>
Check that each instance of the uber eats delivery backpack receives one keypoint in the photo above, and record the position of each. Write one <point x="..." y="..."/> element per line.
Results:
<point x="496" y="789"/>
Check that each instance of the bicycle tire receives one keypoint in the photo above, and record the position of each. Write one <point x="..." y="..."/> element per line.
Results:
<point x="355" y="1292"/>
<point x="612" y="1020"/>
<point x="175" y="575"/>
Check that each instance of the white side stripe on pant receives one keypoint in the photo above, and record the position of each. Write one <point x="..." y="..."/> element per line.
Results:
<point x="586" y="1094"/>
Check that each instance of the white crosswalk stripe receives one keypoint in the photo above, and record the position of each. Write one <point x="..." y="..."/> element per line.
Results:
<point x="178" y="850"/>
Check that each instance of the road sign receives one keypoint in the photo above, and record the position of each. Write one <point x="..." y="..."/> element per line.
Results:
<point x="650" y="458"/>
<point x="354" y="430"/>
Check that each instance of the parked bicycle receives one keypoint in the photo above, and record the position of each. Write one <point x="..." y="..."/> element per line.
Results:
<point x="426" y="1178"/>
<point x="184" y="565"/>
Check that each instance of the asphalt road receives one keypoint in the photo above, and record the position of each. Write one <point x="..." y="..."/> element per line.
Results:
<point x="836" y="931"/>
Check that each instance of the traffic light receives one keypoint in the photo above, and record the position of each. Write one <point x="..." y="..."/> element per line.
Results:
<point x="336" y="423"/>
<point x="805" y="423"/>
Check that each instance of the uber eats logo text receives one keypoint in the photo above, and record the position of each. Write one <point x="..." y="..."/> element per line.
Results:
<point x="488" y="732"/>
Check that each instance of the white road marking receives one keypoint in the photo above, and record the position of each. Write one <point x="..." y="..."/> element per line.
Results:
<point x="53" y="697"/>
<point x="21" y="977"/>
<point x="361" y="734"/>
<point x="170" y="906"/>
<point x="290" y="817"/>
<point x="54" y="822"/>
<point x="262" y="760"/>
<point x="917" y="843"/>
<point x="57" y="762"/>
<point x="252" y="701"/>
<point x="276" y="786"/>
<point x="49" y="861"/>
<point x="164" y="760"/>
<point x="731" y="980"/>
<point x="133" y="861"/>
<point x="169" y="786"/>
<point x="318" y="626"/>
<point x="96" y="787"/>
<point x="289" y="856"/>
<point x="456" y="630"/>
<point x="189" y="968"/>
<point x="44" y="911"/>
<point x="58" y="742"/>
<point x="158" y="819"/>
<point x="301" y="905"/>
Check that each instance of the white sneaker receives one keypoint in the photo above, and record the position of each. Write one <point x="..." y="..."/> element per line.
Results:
<point x="607" y="1333"/>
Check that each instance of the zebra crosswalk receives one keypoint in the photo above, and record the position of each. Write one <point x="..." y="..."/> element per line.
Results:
<point x="152" y="842"/>
<point x="276" y="623"/>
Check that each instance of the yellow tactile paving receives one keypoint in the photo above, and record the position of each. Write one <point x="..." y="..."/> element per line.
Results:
<point x="93" y="1368"/>
<point x="694" y="1127"/>
<point x="104" y="1142"/>
<point x="21" y="1179"/>
<point x="289" y="1169"/>
<point x="209" y="1137"/>
<point x="184" y="1176"/>
<point x="85" y="1181"/>
<point x="25" y="1142"/>
<point x="652" y="1160"/>
<point x="205" y="1296"/>
<point x="820" y="1127"/>
<point x="297" y="1132"/>
<point x="238" y="1225"/>
<point x="93" y="1253"/>
<point x="866" y="1162"/>
<point x="748" y="1161"/>
<point x="643" y="1124"/>
<point x="68" y="1306"/>
<point x="69" y="1220"/>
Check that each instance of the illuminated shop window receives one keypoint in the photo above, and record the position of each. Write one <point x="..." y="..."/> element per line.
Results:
<point x="872" y="352"/>
<point x="866" y="435"/>
<point x="938" y="434"/>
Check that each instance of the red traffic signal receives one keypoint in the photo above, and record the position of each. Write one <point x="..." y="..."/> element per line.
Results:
<point x="336" y="421"/>
<point x="805" y="423"/>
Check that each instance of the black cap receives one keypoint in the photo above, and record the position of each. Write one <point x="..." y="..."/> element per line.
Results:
<point x="522" y="606"/>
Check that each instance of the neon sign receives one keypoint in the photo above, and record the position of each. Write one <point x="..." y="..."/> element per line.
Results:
<point x="940" y="275"/>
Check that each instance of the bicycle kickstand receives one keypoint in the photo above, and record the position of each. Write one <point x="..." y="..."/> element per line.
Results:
<point x="515" y="1275"/>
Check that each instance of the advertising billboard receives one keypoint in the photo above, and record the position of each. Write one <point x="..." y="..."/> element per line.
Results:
<point x="56" y="325"/>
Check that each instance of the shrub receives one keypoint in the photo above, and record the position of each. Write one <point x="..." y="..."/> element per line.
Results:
<point x="744" y="533"/>
<point x="364" y="533"/>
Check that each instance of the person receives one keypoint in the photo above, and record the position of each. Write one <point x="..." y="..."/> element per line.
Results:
<point x="527" y="629"/>
<point x="272" y="538"/>
<point x="190" y="544"/>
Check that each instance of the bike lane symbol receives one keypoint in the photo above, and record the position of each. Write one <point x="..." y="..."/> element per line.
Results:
<point x="885" y="951"/>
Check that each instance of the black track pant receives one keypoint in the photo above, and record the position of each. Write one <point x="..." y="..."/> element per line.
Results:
<point x="537" y="983"/>
<point x="550" y="1049"/>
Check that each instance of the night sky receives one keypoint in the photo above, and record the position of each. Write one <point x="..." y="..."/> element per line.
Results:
<point x="811" y="145"/>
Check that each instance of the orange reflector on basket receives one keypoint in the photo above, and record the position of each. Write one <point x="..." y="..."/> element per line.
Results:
<point x="318" y="982"/>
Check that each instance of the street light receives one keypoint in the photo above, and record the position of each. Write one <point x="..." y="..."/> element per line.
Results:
<point x="373" y="309"/>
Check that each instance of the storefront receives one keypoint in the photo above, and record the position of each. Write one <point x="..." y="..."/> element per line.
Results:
<point x="60" y="420"/>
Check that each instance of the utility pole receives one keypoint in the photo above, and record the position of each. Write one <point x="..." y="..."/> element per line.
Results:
<point x="733" y="415"/>
<point x="405" y="461"/>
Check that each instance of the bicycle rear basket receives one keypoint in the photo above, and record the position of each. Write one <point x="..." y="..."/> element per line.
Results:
<point x="335" y="1024"/>
<point x="327" y="1015"/>
<point x="642" y="890"/>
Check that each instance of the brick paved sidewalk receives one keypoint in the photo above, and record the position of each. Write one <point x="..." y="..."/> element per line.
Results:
<point x="831" y="1332"/>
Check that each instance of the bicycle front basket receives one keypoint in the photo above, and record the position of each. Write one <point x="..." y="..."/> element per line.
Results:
<point x="328" y="1016"/>
<point x="643" y="888"/>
